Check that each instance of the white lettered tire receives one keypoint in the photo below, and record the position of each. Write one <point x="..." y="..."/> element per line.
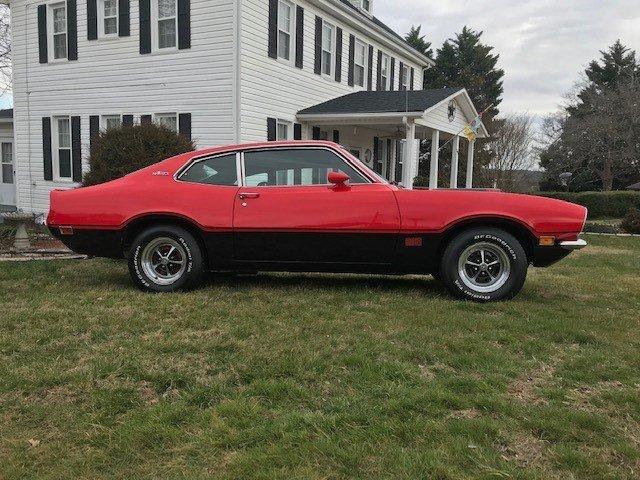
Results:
<point x="484" y="265"/>
<point x="165" y="258"/>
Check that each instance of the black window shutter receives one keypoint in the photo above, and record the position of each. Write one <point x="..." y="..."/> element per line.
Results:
<point x="352" y="52"/>
<point x="271" y="129"/>
<point x="392" y="74"/>
<point x="299" y="36"/>
<point x="127" y="120"/>
<point x="184" y="24"/>
<point x="297" y="131"/>
<point x="411" y="79"/>
<point x="42" y="33"/>
<point x="94" y="128"/>
<point x="145" y="27"/>
<point x="370" y="74"/>
<point x="76" y="149"/>
<point x="92" y="19"/>
<point x="379" y="81"/>
<point x="72" y="30"/>
<point x="46" y="148"/>
<point x="124" y="18"/>
<point x="400" y="72"/>
<point x="145" y="120"/>
<point x="273" y="29"/>
<point x="338" y="54"/>
<point x="336" y="136"/>
<point x="184" y="125"/>
<point x="318" y="46"/>
<point x="376" y="148"/>
<point x="315" y="133"/>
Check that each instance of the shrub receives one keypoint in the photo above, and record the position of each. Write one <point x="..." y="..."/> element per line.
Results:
<point x="120" y="151"/>
<point x="601" y="204"/>
<point x="631" y="223"/>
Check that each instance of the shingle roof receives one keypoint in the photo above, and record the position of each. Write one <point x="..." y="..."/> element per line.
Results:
<point x="6" y="113"/>
<point x="378" y="22"/>
<point x="382" y="102"/>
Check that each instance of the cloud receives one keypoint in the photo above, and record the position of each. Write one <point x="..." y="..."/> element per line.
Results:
<point x="543" y="44"/>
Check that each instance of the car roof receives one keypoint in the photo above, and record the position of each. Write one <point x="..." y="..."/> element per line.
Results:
<point x="257" y="145"/>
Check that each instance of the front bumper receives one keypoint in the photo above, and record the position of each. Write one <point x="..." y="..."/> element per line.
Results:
<point x="574" y="244"/>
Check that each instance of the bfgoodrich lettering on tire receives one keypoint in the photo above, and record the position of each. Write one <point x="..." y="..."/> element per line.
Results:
<point x="484" y="265"/>
<point x="165" y="258"/>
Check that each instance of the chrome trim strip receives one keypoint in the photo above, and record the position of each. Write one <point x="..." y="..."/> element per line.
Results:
<point x="574" y="244"/>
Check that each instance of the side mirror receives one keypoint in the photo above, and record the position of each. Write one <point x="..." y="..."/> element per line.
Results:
<point x="338" y="178"/>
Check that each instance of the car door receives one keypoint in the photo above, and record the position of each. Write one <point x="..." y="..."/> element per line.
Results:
<point x="286" y="211"/>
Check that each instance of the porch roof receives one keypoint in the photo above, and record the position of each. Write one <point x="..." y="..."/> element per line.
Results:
<point x="382" y="102"/>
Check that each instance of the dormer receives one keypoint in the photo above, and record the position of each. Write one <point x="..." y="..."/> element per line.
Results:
<point x="365" y="6"/>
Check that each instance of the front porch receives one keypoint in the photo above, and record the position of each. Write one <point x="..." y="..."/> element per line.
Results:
<point x="384" y="129"/>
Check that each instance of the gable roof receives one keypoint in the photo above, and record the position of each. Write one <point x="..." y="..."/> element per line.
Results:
<point x="382" y="102"/>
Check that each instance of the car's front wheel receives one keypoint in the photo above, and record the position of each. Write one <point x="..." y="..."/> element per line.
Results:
<point x="165" y="259"/>
<point x="484" y="265"/>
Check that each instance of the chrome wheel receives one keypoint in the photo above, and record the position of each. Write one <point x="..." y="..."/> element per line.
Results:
<point x="484" y="267"/>
<point x="164" y="261"/>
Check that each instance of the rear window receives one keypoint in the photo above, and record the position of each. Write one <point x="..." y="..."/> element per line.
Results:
<point x="221" y="170"/>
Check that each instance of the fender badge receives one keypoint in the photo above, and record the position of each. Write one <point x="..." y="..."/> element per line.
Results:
<point x="413" y="242"/>
<point x="160" y="173"/>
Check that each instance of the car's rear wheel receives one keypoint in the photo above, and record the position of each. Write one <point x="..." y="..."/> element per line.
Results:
<point x="165" y="259"/>
<point x="484" y="265"/>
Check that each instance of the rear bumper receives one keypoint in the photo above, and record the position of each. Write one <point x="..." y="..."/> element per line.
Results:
<point x="573" y="244"/>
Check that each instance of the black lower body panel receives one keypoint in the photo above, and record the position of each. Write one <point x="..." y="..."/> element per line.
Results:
<point x="546" y="256"/>
<point x="95" y="243"/>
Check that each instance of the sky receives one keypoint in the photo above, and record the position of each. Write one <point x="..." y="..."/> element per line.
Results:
<point x="543" y="44"/>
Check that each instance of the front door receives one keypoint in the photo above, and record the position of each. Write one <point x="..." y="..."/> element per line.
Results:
<point x="286" y="212"/>
<point x="7" y="175"/>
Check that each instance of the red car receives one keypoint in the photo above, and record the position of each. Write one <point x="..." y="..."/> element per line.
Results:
<point x="309" y="207"/>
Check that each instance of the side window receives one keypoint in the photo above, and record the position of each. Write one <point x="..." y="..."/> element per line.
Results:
<point x="295" y="167"/>
<point x="221" y="170"/>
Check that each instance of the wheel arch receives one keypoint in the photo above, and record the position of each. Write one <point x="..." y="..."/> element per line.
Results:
<point x="133" y="228"/>
<point x="510" y="225"/>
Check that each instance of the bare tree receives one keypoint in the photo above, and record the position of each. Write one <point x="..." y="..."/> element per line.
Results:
<point x="512" y="154"/>
<point x="5" y="49"/>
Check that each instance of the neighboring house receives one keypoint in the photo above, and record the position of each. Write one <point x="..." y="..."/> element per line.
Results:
<point x="220" y="72"/>
<point x="7" y="166"/>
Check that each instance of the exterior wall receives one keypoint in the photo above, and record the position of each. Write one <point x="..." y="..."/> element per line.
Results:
<point x="439" y="118"/>
<point x="111" y="77"/>
<point x="274" y="88"/>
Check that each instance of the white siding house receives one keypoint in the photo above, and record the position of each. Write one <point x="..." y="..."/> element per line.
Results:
<point x="219" y="71"/>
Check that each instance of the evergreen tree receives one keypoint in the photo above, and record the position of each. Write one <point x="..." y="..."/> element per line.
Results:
<point x="616" y="63"/>
<point x="418" y="41"/>
<point x="464" y="61"/>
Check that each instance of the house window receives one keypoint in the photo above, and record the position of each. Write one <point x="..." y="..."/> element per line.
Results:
<point x="58" y="24"/>
<point x="384" y="71"/>
<point x="366" y="5"/>
<point x="167" y="23"/>
<point x="108" y="12"/>
<point x="328" y="32"/>
<point x="169" y="120"/>
<point x="107" y="122"/>
<point x="285" y="22"/>
<point x="360" y="63"/>
<point x="404" y="77"/>
<point x="7" y="162"/>
<point x="62" y="148"/>
<point x="283" y="131"/>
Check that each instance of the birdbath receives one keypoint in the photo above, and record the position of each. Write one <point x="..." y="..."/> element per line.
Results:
<point x="19" y="219"/>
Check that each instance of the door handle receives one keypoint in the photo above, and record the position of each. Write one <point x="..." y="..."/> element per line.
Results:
<point x="244" y="195"/>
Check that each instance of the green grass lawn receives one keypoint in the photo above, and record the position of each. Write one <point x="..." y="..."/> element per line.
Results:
<point x="321" y="377"/>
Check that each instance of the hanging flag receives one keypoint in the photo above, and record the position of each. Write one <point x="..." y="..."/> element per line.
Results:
<point x="469" y="133"/>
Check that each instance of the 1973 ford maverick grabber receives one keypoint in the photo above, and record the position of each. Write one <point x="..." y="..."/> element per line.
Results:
<point x="309" y="207"/>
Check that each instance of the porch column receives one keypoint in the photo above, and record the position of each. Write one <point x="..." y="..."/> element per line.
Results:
<point x="470" y="151"/>
<point x="454" y="162"/>
<point x="408" y="167"/>
<point x="435" y="154"/>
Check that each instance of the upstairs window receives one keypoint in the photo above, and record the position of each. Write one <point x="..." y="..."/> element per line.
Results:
<point x="384" y="71"/>
<point x="167" y="23"/>
<point x="108" y="11"/>
<point x="328" y="33"/>
<point x="366" y="5"/>
<point x="58" y="29"/>
<point x="285" y="23"/>
<point x="359" y="63"/>
<point x="404" y="77"/>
